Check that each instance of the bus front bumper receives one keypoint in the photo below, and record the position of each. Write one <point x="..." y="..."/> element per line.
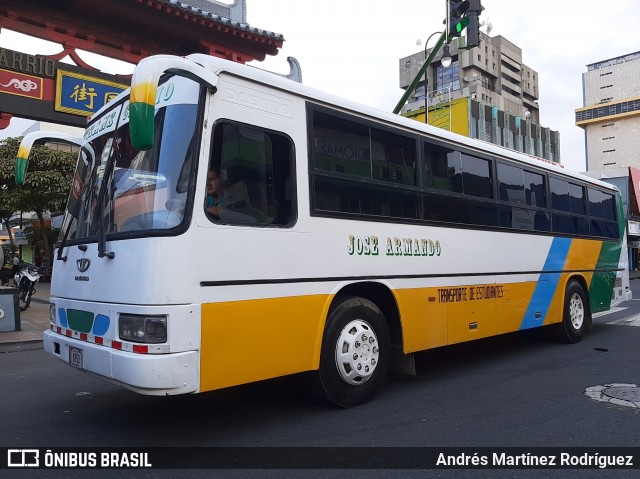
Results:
<point x="150" y="374"/>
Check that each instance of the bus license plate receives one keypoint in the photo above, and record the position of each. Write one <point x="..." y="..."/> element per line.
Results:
<point x="75" y="357"/>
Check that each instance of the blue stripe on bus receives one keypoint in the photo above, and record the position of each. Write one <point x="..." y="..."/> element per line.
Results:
<point x="547" y="284"/>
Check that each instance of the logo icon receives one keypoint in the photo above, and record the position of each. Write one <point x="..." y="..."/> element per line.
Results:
<point x="23" y="458"/>
<point x="83" y="264"/>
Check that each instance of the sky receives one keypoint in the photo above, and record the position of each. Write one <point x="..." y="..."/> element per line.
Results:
<point x="352" y="48"/>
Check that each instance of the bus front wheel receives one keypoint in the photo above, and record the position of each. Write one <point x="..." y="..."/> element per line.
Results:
<point x="354" y="359"/>
<point x="575" y="318"/>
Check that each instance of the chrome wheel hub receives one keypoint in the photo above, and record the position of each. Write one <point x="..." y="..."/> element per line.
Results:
<point x="576" y="311"/>
<point x="357" y="352"/>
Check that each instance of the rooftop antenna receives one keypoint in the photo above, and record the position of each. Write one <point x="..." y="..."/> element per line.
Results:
<point x="487" y="25"/>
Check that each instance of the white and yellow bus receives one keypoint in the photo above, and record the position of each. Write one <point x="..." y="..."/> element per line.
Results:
<point x="343" y="239"/>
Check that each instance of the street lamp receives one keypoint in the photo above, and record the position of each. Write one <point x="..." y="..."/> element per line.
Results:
<point x="446" y="57"/>
<point x="421" y="71"/>
<point x="426" y="78"/>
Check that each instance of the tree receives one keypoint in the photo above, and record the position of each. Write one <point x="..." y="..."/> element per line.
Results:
<point x="9" y="196"/>
<point x="46" y="186"/>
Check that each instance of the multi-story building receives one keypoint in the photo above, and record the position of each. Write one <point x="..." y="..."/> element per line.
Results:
<point x="487" y="92"/>
<point x="610" y="115"/>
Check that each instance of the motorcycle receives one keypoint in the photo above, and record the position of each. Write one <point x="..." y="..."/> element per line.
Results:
<point x="25" y="280"/>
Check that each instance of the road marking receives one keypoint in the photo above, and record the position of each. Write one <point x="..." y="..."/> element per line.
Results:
<point x="630" y="321"/>
<point x="611" y="311"/>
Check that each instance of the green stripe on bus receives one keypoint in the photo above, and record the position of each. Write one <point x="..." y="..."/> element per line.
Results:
<point x="141" y="125"/>
<point x="602" y="283"/>
<point x="81" y="321"/>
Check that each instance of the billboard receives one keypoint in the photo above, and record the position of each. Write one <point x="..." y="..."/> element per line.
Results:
<point x="38" y="88"/>
<point x="83" y="94"/>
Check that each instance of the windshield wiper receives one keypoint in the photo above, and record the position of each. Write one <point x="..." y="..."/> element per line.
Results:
<point x="63" y="242"/>
<point x="102" y="233"/>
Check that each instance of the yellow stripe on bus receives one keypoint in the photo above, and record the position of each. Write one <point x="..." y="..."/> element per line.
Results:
<point x="245" y="341"/>
<point x="434" y="317"/>
<point x="23" y="152"/>
<point x="281" y="336"/>
<point x="423" y="317"/>
<point x="144" y="92"/>
<point x="583" y="255"/>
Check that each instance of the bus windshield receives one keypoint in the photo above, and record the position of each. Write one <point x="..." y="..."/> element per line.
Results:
<point x="118" y="190"/>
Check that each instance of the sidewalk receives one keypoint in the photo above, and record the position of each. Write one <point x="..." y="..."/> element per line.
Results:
<point x="33" y="321"/>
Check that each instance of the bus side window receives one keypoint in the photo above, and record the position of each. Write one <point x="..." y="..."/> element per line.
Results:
<point x="256" y="166"/>
<point x="442" y="168"/>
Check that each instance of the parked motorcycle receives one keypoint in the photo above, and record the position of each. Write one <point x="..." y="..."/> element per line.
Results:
<point x="25" y="280"/>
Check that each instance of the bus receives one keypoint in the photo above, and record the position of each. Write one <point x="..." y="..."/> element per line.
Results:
<point x="343" y="240"/>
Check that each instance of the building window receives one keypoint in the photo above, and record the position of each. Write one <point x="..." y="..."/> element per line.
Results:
<point x="448" y="77"/>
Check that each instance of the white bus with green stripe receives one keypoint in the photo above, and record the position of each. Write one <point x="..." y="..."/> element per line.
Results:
<point x="344" y="239"/>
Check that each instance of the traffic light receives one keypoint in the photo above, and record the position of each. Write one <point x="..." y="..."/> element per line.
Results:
<point x="464" y="14"/>
<point x="473" y="25"/>
<point x="456" y="20"/>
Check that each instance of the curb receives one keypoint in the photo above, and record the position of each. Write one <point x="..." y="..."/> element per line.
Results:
<point x="21" y="345"/>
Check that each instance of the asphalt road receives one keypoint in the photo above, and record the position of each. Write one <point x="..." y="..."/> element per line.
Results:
<point x="520" y="390"/>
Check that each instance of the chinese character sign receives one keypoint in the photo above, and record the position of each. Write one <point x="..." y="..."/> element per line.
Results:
<point x="83" y="95"/>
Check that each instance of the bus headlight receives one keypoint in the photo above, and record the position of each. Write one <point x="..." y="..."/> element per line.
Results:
<point x="52" y="314"/>
<point x="143" y="329"/>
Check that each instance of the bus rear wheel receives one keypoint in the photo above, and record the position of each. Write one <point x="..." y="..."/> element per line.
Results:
<point x="354" y="359"/>
<point x="575" y="318"/>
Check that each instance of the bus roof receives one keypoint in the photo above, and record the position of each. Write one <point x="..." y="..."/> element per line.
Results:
<point x="221" y="66"/>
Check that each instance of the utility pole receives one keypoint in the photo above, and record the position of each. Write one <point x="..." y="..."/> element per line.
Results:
<point x="422" y="70"/>
<point x="460" y="15"/>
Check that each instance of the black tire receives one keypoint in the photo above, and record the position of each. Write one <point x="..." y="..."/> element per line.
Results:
<point x="355" y="327"/>
<point x="26" y="301"/>
<point x="576" y="317"/>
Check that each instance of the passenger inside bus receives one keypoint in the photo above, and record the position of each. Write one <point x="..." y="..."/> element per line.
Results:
<point x="221" y="201"/>
<point x="216" y="199"/>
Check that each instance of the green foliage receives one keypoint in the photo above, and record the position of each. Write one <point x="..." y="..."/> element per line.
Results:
<point x="9" y="196"/>
<point x="48" y="178"/>
<point x="47" y="183"/>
